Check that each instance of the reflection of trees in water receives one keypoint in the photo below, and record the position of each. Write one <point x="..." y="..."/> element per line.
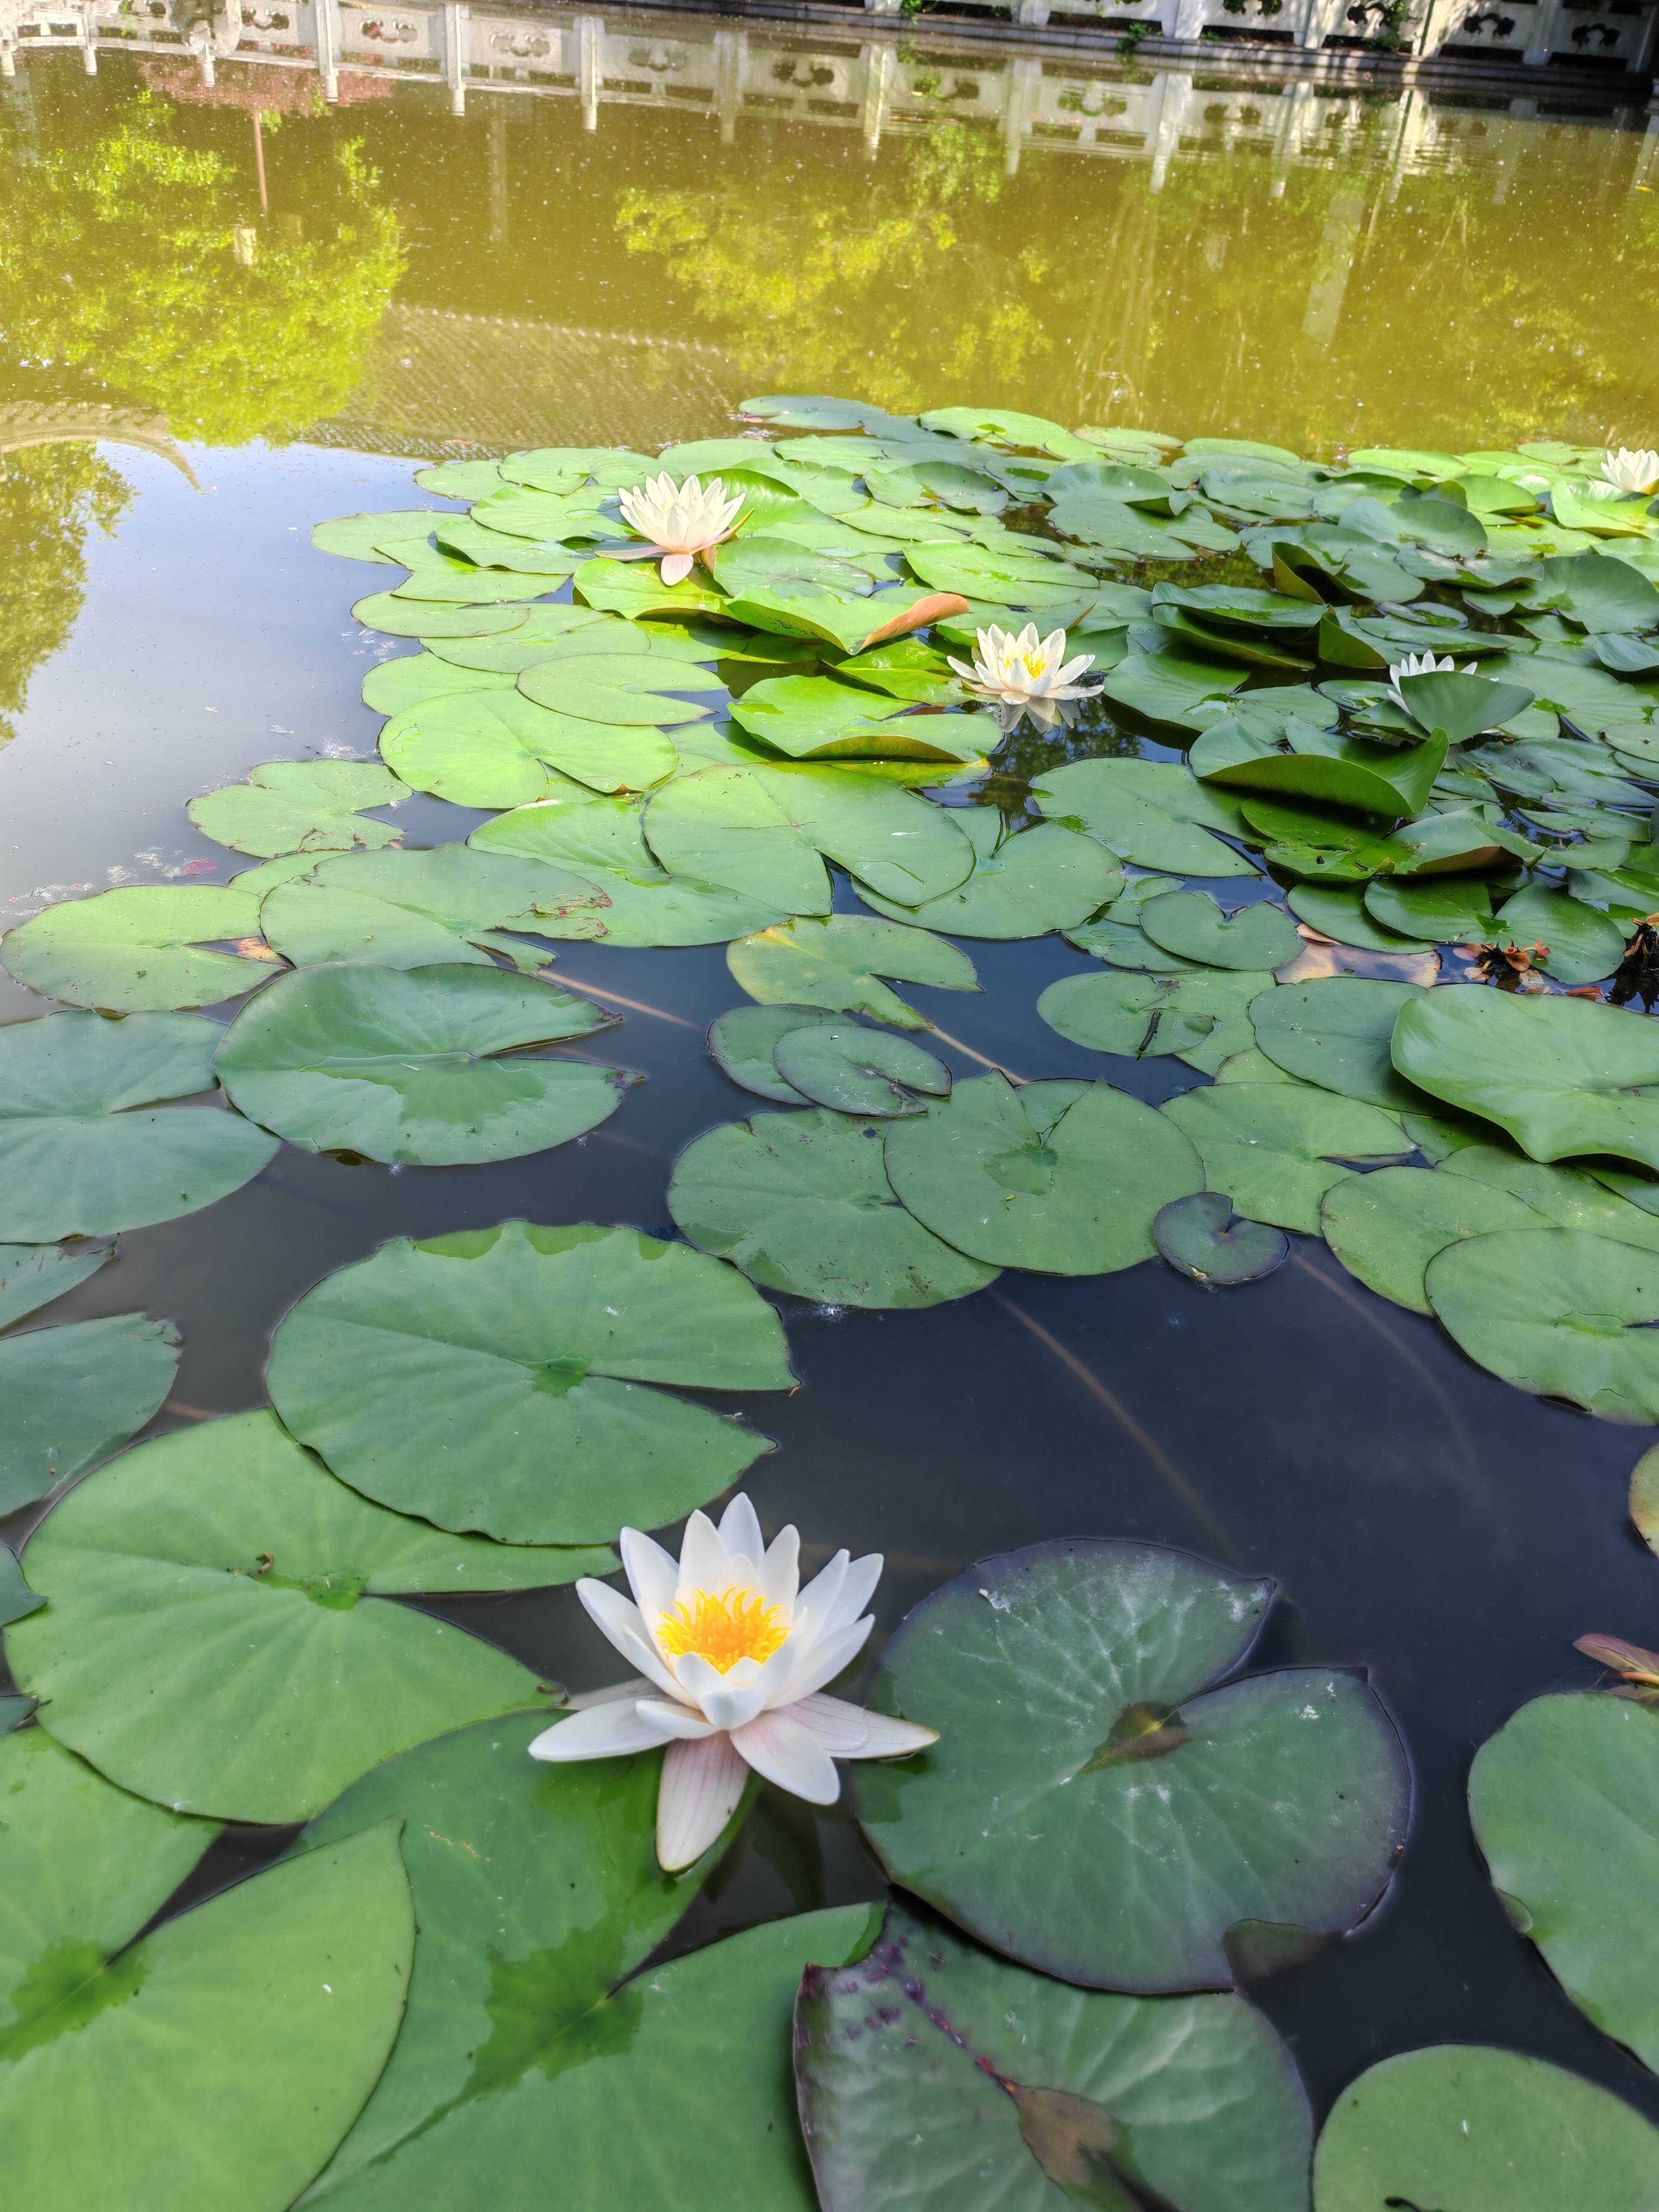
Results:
<point x="51" y="497"/>
<point x="801" y="290"/>
<point x="121" y="274"/>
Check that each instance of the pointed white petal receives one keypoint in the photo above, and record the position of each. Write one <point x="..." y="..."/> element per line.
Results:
<point x="620" y="1622"/>
<point x="862" y="1576"/>
<point x="891" y="1739"/>
<point x="818" y="1601"/>
<point x="702" y="1556"/>
<point x="672" y="1720"/>
<point x="694" y="1674"/>
<point x="612" y="1694"/>
<point x="780" y="1578"/>
<point x="786" y="1753"/>
<point x="677" y="567"/>
<point x="653" y="1574"/>
<point x="731" y="1706"/>
<point x="842" y="1729"/>
<point x="702" y="1784"/>
<point x="740" y="1529"/>
<point x="826" y="1661"/>
<point x="600" y="1732"/>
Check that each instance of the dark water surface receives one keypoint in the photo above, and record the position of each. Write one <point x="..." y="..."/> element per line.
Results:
<point x="1423" y="1519"/>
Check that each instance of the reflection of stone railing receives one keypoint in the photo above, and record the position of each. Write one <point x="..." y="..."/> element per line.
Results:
<point x="63" y="423"/>
<point x="869" y="83"/>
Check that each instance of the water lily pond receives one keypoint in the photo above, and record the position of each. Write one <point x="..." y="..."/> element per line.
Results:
<point x="829" y="1109"/>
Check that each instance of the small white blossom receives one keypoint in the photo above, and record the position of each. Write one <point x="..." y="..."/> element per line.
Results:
<point x="678" y="522"/>
<point x="1027" y="674"/>
<point x="1632" y="472"/>
<point x="1422" y="663"/>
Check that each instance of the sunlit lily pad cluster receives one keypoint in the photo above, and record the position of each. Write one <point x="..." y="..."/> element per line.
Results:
<point x="1332" y="783"/>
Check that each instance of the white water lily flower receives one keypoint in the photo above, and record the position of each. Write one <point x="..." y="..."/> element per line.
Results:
<point x="1628" y="471"/>
<point x="680" y="521"/>
<point x="1027" y="673"/>
<point x="1422" y="663"/>
<point x="734" y="1656"/>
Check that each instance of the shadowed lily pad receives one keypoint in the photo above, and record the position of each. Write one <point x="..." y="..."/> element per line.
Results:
<point x="1199" y="1238"/>
<point x="1277" y="1149"/>
<point x="1582" y="944"/>
<point x="1064" y="2096"/>
<point x="209" y="1593"/>
<point x="741" y="1044"/>
<point x="1191" y="924"/>
<point x="420" y="909"/>
<point x="838" y="964"/>
<point x="1567" y="1314"/>
<point x="1152" y="812"/>
<point x="214" y="2060"/>
<point x="1463" y="2128"/>
<point x="1567" y="1198"/>
<point x="1203" y="1018"/>
<point x="408" y="1064"/>
<point x="84" y="1149"/>
<point x="70" y="1396"/>
<point x="1386" y="1227"/>
<point x="300" y="806"/>
<point x="33" y="1275"/>
<point x="1044" y="879"/>
<point x="493" y="1379"/>
<point x="140" y="949"/>
<point x="501" y="748"/>
<point x="1046" y="1176"/>
<point x="1093" y="1807"/>
<point x="1335" y="1032"/>
<point x="801" y="1202"/>
<point x="858" y="1070"/>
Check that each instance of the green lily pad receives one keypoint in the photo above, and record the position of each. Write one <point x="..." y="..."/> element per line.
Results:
<point x="1584" y="946"/>
<point x="1335" y="1032"/>
<point x="649" y="906"/>
<point x="1276" y="1150"/>
<point x="1564" y="1803"/>
<point x="635" y="588"/>
<point x="1561" y="1075"/>
<point x="492" y="1379"/>
<point x="426" y="619"/>
<point x="1566" y="1316"/>
<point x="672" y="2090"/>
<point x="70" y="1396"/>
<point x="1442" y="910"/>
<point x="1191" y="924"/>
<point x="1152" y="812"/>
<point x="1599" y="590"/>
<point x="216" y="2060"/>
<point x="858" y="1070"/>
<point x="1339" y="912"/>
<point x="1044" y="879"/>
<point x="414" y="679"/>
<point x="1333" y="768"/>
<point x="209" y="1593"/>
<point x="1204" y="1019"/>
<point x="1064" y="2096"/>
<point x="820" y="718"/>
<point x="460" y="479"/>
<point x="838" y="964"/>
<point x="574" y="828"/>
<point x="33" y="1275"/>
<point x="1474" y="2130"/>
<point x="761" y="831"/>
<point x="741" y="1045"/>
<point x="17" y="1598"/>
<point x="500" y="749"/>
<point x="1020" y="1178"/>
<point x="1567" y="1198"/>
<point x="1570" y="771"/>
<point x="1460" y="707"/>
<point x="361" y="536"/>
<point x="1171" y="687"/>
<point x="300" y="806"/>
<point x="615" y="687"/>
<point x="801" y="1202"/>
<point x="548" y="628"/>
<point x="1385" y="1227"/>
<point x="85" y="1149"/>
<point x="498" y="1940"/>
<point x="406" y="1064"/>
<point x="1095" y="1808"/>
<point x="422" y="910"/>
<point x="1201" y="1239"/>
<point x="139" y="950"/>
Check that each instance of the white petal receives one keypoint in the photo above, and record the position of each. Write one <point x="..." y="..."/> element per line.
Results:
<point x="619" y="1621"/>
<point x="702" y="1556"/>
<point x="731" y="1707"/>
<point x="740" y="1529"/>
<point x="842" y="1729"/>
<point x="702" y="1784"/>
<point x="818" y="1601"/>
<point x="862" y="1576"/>
<point x="653" y="1574"/>
<point x="613" y="1694"/>
<point x="675" y="569"/>
<point x="600" y="1732"/>
<point x="891" y="1739"/>
<point x="823" y="1664"/>
<point x="1073" y="668"/>
<point x="632" y="552"/>
<point x="786" y="1753"/>
<point x="669" y="1719"/>
<point x="781" y="1570"/>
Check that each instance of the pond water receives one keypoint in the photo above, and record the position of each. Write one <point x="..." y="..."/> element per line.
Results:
<point x="398" y="282"/>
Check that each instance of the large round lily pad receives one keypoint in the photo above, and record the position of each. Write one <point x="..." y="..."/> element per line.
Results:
<point x="302" y="806"/>
<point x="1094" y="1807"/>
<point x="213" y="2062"/>
<point x="858" y="1070"/>
<point x="1462" y="2127"/>
<point x="801" y="1202"/>
<point x="482" y="1823"/>
<point x="1155" y="813"/>
<point x="1565" y="1800"/>
<point x="493" y="1379"/>
<point x="1047" y="1176"/>
<point x="1385" y="1227"/>
<point x="419" y="909"/>
<point x="838" y="964"/>
<point x="671" y="2090"/>
<point x="140" y="948"/>
<point x="1567" y="1198"/>
<point x="1563" y="1076"/>
<point x="1334" y="1032"/>
<point x="406" y="1064"/>
<point x="70" y="1396"/>
<point x="1064" y="2096"/>
<point x="1193" y="926"/>
<point x="1045" y="879"/>
<point x="741" y="1045"/>
<point x="211" y="1595"/>
<point x="1560" y="1312"/>
<point x="77" y="1155"/>
<point x="1276" y="1148"/>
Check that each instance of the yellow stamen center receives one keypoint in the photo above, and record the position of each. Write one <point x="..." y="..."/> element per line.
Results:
<point x="723" y="1630"/>
<point x="1035" y="663"/>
